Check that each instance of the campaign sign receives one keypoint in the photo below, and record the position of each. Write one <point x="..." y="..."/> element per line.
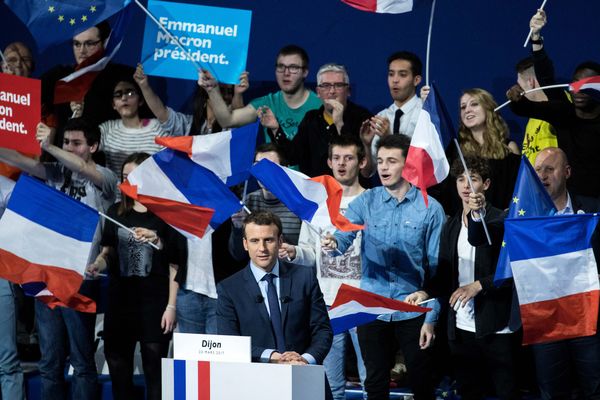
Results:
<point x="215" y="38"/>
<point x="20" y="112"/>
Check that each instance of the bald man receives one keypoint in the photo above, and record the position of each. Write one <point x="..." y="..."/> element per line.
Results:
<point x="571" y="365"/>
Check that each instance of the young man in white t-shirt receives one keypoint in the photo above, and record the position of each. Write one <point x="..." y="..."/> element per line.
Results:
<point x="346" y="158"/>
<point x="478" y="319"/>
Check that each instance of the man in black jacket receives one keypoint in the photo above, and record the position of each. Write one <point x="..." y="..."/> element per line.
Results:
<point x="337" y="116"/>
<point x="574" y="364"/>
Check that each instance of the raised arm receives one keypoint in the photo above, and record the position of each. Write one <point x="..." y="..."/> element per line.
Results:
<point x="154" y="102"/>
<point x="225" y="117"/>
<point x="69" y="160"/>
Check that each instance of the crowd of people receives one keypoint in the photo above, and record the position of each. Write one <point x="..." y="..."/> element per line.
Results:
<point x="238" y="279"/>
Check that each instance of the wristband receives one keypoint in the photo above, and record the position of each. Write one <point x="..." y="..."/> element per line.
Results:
<point x="170" y="307"/>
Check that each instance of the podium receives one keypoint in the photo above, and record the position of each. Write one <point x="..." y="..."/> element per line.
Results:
<point x="204" y="380"/>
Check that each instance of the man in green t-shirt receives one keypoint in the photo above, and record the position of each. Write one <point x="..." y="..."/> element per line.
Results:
<point x="281" y="111"/>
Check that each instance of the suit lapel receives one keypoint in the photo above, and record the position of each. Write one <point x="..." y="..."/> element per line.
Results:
<point x="285" y="287"/>
<point x="254" y="293"/>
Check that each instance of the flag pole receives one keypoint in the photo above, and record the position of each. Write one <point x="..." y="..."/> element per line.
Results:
<point x="531" y="30"/>
<point x="114" y="221"/>
<point x="3" y="58"/>
<point x="245" y="192"/>
<point x="464" y="163"/>
<point x="559" y="85"/>
<point x="173" y="38"/>
<point x="429" y="43"/>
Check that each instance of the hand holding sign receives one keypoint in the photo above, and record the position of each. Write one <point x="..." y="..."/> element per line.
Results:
<point x="44" y="135"/>
<point x="206" y="81"/>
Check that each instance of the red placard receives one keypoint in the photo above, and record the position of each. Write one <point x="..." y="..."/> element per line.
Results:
<point x="20" y="112"/>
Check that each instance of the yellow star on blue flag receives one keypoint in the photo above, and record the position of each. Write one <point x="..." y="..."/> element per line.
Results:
<point x="40" y="17"/>
<point x="529" y="197"/>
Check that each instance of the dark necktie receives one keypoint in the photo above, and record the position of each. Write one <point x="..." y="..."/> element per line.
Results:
<point x="275" y="313"/>
<point x="397" y="117"/>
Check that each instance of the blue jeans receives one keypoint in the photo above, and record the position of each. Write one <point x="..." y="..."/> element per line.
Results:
<point x="11" y="374"/>
<point x="54" y="328"/>
<point x="196" y="313"/>
<point x="335" y="363"/>
<point x="565" y="365"/>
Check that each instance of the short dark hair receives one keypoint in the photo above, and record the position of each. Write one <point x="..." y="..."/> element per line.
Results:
<point x="416" y="66"/>
<point x="292" y="49"/>
<point x="104" y="30"/>
<point x="347" y="141"/>
<point x="395" y="141"/>
<point x="264" y="218"/>
<point x="268" y="147"/>
<point x="90" y="131"/>
<point x="524" y="64"/>
<point x="591" y="65"/>
<point x="476" y="165"/>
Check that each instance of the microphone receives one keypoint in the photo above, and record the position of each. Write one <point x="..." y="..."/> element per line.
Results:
<point x="285" y="299"/>
<point x="259" y="298"/>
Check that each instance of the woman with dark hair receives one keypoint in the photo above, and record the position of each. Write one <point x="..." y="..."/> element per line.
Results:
<point x="142" y="290"/>
<point x="203" y="120"/>
<point x="131" y="132"/>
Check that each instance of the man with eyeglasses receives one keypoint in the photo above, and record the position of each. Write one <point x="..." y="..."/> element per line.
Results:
<point x="337" y="116"/>
<point x="281" y="111"/>
<point x="17" y="60"/>
<point x="96" y="107"/>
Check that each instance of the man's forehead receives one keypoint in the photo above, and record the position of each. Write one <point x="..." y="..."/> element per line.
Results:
<point x="290" y="59"/>
<point x="74" y="135"/>
<point x="91" y="33"/>
<point x="332" y="76"/>
<point x="344" y="150"/>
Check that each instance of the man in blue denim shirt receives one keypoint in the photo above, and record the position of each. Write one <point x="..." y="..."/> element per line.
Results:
<point x="399" y="252"/>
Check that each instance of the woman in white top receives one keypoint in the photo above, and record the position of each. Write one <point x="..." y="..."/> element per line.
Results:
<point x="131" y="133"/>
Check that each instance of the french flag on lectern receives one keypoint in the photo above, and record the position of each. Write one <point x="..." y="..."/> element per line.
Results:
<point x="555" y="275"/>
<point x="229" y="154"/>
<point x="185" y="379"/>
<point x="311" y="199"/>
<point x="46" y="237"/>
<point x="382" y="6"/>
<point x="589" y="86"/>
<point x="182" y="193"/>
<point x="353" y="307"/>
<point x="426" y="164"/>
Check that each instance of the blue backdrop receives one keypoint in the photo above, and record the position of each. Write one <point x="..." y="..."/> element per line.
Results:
<point x="475" y="44"/>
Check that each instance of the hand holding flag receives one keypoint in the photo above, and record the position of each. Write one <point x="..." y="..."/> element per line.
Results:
<point x="354" y="307"/>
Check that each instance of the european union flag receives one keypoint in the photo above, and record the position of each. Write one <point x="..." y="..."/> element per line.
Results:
<point x="55" y="21"/>
<point x="530" y="199"/>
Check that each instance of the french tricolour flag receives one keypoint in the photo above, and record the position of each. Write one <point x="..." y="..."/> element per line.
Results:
<point x="74" y="86"/>
<point x="182" y="193"/>
<point x="382" y="6"/>
<point x="426" y="164"/>
<point x="555" y="275"/>
<point x="185" y="379"/>
<point x="316" y="200"/>
<point x="229" y="154"/>
<point x="46" y="236"/>
<point x="589" y="86"/>
<point x="353" y="307"/>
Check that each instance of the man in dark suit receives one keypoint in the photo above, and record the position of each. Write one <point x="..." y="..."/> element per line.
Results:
<point x="573" y="364"/>
<point x="279" y="305"/>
